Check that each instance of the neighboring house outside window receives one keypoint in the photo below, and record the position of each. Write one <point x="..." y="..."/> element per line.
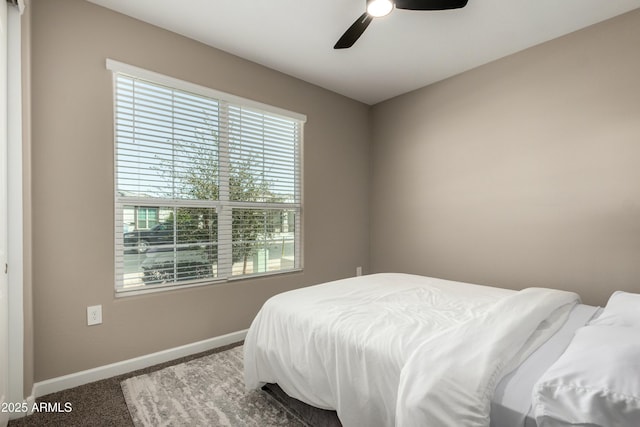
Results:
<point x="146" y="217"/>
<point x="208" y="185"/>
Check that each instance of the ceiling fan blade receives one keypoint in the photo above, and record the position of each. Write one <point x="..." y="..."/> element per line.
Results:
<point x="430" y="4"/>
<point x="354" y="32"/>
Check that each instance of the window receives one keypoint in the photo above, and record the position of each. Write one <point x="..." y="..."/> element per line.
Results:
<point x="147" y="217"/>
<point x="208" y="185"/>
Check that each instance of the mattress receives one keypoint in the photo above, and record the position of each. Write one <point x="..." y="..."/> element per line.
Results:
<point x="511" y="403"/>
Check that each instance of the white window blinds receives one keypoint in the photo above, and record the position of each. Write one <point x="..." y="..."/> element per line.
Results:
<point x="266" y="146"/>
<point x="208" y="185"/>
<point x="167" y="141"/>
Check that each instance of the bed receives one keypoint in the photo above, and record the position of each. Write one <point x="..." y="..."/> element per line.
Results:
<point x="407" y="350"/>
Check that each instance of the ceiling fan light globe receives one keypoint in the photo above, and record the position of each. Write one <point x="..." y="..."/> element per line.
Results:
<point x="379" y="8"/>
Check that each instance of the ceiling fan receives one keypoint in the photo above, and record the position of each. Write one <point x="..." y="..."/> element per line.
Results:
<point x="379" y="8"/>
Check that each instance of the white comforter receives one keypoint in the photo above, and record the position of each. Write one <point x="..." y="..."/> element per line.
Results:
<point x="397" y="349"/>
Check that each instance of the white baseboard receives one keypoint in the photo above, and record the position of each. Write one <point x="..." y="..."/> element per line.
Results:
<point x="54" y="385"/>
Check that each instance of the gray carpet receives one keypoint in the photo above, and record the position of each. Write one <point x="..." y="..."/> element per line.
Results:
<point x="208" y="391"/>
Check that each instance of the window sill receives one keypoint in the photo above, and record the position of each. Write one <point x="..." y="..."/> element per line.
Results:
<point x="152" y="289"/>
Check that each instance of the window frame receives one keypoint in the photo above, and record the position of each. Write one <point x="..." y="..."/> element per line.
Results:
<point x="223" y="204"/>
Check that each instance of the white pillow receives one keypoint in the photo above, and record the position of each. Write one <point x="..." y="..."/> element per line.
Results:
<point x="596" y="382"/>
<point x="623" y="309"/>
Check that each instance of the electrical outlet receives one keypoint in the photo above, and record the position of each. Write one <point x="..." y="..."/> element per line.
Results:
<point x="358" y="271"/>
<point x="94" y="315"/>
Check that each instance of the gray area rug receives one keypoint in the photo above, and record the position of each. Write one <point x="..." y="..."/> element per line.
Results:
<point x="208" y="391"/>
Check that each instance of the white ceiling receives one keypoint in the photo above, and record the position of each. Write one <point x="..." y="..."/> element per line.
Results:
<point x="403" y="51"/>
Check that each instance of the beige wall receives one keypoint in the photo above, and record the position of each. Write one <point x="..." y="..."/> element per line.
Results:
<point x="522" y="172"/>
<point x="72" y="177"/>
